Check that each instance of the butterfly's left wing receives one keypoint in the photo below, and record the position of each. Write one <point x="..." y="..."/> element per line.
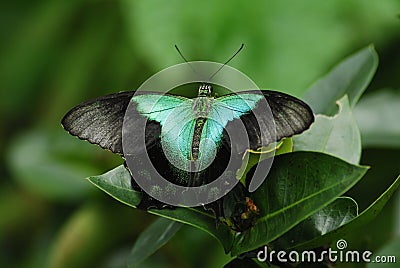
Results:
<point x="100" y="120"/>
<point x="174" y="115"/>
<point x="286" y="116"/>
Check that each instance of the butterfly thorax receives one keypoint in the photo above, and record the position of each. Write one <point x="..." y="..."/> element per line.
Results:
<point x="201" y="106"/>
<point x="201" y="110"/>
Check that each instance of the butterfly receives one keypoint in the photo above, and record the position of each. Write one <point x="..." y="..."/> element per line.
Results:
<point x="191" y="142"/>
<point x="188" y="130"/>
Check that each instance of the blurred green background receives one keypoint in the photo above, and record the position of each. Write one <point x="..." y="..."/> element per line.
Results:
<point x="55" y="54"/>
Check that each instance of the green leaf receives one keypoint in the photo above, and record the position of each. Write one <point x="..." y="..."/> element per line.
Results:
<point x="363" y="218"/>
<point x="251" y="157"/>
<point x="117" y="184"/>
<point x="325" y="220"/>
<point x="338" y="136"/>
<point x="298" y="185"/>
<point x="377" y="116"/>
<point x="153" y="238"/>
<point x="201" y="220"/>
<point x="351" y="77"/>
<point x="286" y="146"/>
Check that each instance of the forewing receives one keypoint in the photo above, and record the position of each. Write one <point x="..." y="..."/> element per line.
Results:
<point x="291" y="115"/>
<point x="99" y="120"/>
<point x="158" y="107"/>
<point x="285" y="117"/>
<point x="228" y="111"/>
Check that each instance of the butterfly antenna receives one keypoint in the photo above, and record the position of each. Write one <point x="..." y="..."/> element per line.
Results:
<point x="219" y="69"/>
<point x="183" y="57"/>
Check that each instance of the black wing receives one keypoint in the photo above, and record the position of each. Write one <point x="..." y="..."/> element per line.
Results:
<point x="100" y="120"/>
<point x="290" y="115"/>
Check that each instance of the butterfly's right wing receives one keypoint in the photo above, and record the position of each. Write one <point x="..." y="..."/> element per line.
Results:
<point x="284" y="117"/>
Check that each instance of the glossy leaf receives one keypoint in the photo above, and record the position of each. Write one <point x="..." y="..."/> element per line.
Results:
<point x="377" y="116"/>
<point x="153" y="238"/>
<point x="298" y="185"/>
<point x="338" y="136"/>
<point x="363" y="218"/>
<point x="252" y="157"/>
<point x="117" y="184"/>
<point x="325" y="220"/>
<point x="326" y="177"/>
<point x="199" y="219"/>
<point x="286" y="147"/>
<point x="351" y="77"/>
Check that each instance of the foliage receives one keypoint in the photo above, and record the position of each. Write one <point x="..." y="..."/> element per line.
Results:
<point x="56" y="54"/>
<point x="302" y="190"/>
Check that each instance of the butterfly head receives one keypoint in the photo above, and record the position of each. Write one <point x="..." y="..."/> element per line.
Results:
<point x="205" y="90"/>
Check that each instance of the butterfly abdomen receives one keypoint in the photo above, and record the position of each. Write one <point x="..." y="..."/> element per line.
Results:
<point x="198" y="128"/>
<point x="201" y="109"/>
